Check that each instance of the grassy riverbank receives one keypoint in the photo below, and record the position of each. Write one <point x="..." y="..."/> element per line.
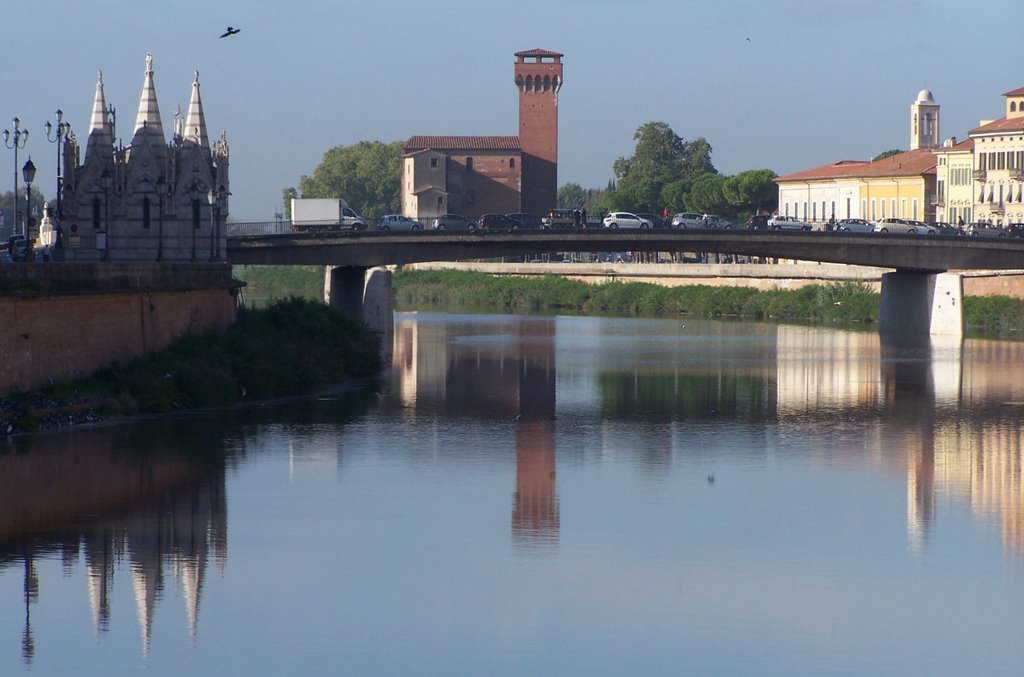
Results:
<point x="292" y="347"/>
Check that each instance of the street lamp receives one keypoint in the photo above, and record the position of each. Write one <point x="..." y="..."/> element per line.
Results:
<point x="29" y="174"/>
<point x="105" y="181"/>
<point x="211" y="197"/>
<point x="63" y="130"/>
<point x="193" y="192"/>
<point x="15" y="141"/>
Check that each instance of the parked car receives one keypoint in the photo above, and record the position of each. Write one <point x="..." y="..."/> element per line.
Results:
<point x="716" y="222"/>
<point x="945" y="228"/>
<point x="625" y="220"/>
<point x="560" y="218"/>
<point x="854" y="226"/>
<point x="17" y="247"/>
<point x="397" y="222"/>
<point x="903" y="227"/>
<point x="453" y="222"/>
<point x="656" y="221"/>
<point x="495" y="221"/>
<point x="758" y="222"/>
<point x="688" y="220"/>
<point x="779" y="222"/>
<point x="523" y="220"/>
<point x="984" y="230"/>
<point x="1015" y="229"/>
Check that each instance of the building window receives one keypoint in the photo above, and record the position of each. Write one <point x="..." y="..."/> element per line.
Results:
<point x="433" y="163"/>
<point x="847" y="207"/>
<point x="470" y="197"/>
<point x="195" y="214"/>
<point x="145" y="212"/>
<point x="873" y="217"/>
<point x="914" y="202"/>
<point x="440" y="201"/>
<point x="883" y="209"/>
<point x="512" y="162"/>
<point x="894" y="208"/>
<point x="814" y="211"/>
<point x="96" y="224"/>
<point x="469" y="164"/>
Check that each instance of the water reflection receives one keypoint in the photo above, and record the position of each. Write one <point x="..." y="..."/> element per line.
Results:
<point x="98" y="496"/>
<point x="657" y="396"/>
<point x="942" y="415"/>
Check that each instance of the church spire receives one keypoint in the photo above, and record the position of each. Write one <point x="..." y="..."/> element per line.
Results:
<point x="195" y="123"/>
<point x="149" y="111"/>
<point x="98" y="123"/>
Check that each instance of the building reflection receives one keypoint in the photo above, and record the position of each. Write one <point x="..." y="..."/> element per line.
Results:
<point x="503" y="369"/>
<point x="91" y="498"/>
<point x="942" y="416"/>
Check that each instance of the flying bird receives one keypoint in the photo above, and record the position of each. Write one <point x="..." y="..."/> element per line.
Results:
<point x="230" y="31"/>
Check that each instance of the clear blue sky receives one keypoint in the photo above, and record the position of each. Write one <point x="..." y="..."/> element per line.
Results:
<point x="818" y="81"/>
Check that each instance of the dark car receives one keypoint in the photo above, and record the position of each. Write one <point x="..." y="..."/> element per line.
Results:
<point x="523" y="220"/>
<point x="942" y="228"/>
<point x="758" y="222"/>
<point x="496" y="221"/>
<point x="17" y="247"/>
<point x="453" y="222"/>
<point x="656" y="221"/>
<point x="1015" y="229"/>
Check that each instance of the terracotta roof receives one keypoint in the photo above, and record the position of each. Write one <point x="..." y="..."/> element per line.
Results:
<point x="1016" y="92"/>
<point x="907" y="163"/>
<point x="449" y="143"/>
<point x="538" y="52"/>
<point x="966" y="144"/>
<point x="1015" y="124"/>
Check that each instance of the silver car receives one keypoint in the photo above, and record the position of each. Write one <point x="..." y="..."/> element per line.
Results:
<point x="780" y="222"/>
<point x="904" y="227"/>
<point x="397" y="222"/>
<point x="984" y="230"/>
<point x="854" y="226"/>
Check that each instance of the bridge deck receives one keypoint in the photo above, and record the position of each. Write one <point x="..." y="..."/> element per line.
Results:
<point x="367" y="249"/>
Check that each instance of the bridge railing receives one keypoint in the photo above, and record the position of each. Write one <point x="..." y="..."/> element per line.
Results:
<point x="240" y="228"/>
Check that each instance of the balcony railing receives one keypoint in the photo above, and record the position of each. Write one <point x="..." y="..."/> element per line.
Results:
<point x="1017" y="174"/>
<point x="980" y="175"/>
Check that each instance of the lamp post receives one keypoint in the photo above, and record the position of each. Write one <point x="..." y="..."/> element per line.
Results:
<point x="63" y="130"/>
<point x="15" y="141"/>
<point x="105" y="181"/>
<point x="211" y="197"/>
<point x="29" y="174"/>
<point x="193" y="192"/>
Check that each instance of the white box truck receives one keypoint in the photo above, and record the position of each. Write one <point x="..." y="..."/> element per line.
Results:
<point x="310" y="215"/>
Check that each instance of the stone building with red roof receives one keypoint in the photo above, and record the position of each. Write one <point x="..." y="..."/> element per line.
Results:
<point x="474" y="175"/>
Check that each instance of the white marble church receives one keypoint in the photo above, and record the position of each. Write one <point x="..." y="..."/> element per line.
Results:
<point x="153" y="200"/>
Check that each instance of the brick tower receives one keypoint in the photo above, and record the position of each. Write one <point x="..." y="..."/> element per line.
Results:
<point x="538" y="76"/>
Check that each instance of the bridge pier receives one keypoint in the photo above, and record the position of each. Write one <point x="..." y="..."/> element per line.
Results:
<point x="915" y="304"/>
<point x="365" y="294"/>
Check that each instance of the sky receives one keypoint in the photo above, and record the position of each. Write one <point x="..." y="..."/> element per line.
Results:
<point x="817" y="81"/>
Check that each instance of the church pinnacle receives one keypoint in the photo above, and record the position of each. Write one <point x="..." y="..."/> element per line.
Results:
<point x="149" y="111"/>
<point x="98" y="124"/>
<point x="195" y="123"/>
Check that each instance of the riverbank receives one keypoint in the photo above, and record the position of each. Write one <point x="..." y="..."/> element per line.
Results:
<point x="851" y="301"/>
<point x="292" y="347"/>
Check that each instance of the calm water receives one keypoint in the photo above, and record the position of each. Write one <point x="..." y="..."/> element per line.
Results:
<point x="528" y="495"/>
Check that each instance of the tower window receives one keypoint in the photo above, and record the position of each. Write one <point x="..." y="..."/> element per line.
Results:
<point x="433" y="163"/>
<point x="512" y="162"/>
<point x="469" y="164"/>
<point x="145" y="212"/>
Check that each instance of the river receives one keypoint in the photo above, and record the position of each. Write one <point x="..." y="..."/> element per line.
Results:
<point x="543" y="496"/>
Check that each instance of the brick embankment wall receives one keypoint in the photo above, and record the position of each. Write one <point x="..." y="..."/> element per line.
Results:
<point x="66" y="320"/>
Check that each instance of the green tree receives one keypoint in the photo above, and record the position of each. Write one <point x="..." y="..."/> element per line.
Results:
<point x="885" y="154"/>
<point x="367" y="174"/>
<point x="288" y="194"/>
<point x="708" y="195"/>
<point x="752" y="191"/>
<point x="572" y="196"/>
<point x="661" y="157"/>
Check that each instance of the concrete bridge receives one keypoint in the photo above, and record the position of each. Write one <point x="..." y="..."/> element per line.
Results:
<point x="919" y="298"/>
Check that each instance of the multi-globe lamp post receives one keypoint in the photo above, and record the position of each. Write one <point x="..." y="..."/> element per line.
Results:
<point x="15" y="141"/>
<point x="63" y="131"/>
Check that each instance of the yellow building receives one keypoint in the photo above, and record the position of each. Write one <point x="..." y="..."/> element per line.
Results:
<point x="901" y="186"/>
<point x="999" y="164"/>
<point x="954" y="182"/>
